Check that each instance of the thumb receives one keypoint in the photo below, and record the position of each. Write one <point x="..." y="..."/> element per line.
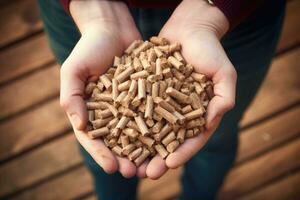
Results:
<point x="224" y="99"/>
<point x="71" y="95"/>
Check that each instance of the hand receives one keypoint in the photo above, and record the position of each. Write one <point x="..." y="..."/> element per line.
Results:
<point x="107" y="29"/>
<point x="198" y="27"/>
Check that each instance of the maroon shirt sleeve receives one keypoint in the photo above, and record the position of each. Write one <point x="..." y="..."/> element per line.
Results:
<point x="237" y="10"/>
<point x="65" y="4"/>
<point x="234" y="10"/>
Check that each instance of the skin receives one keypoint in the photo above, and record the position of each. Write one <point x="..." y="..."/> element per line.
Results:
<point x="107" y="28"/>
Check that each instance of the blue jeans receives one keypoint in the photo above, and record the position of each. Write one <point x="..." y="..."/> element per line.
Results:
<point x="250" y="47"/>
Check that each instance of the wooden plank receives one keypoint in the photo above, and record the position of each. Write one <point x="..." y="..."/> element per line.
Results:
<point x="271" y="133"/>
<point x="14" y="62"/>
<point x="285" y="188"/>
<point x="279" y="90"/>
<point x="166" y="187"/>
<point x="64" y="187"/>
<point x="32" y="128"/>
<point x="253" y="174"/>
<point x="263" y="137"/>
<point x="51" y="158"/>
<point x="291" y="28"/>
<point x="55" y="157"/>
<point x="170" y="190"/>
<point x="91" y="197"/>
<point x="72" y="189"/>
<point x="274" y="127"/>
<point x="29" y="91"/>
<point x="156" y="189"/>
<point x="149" y="187"/>
<point x="152" y="188"/>
<point x="19" y="19"/>
<point x="76" y="183"/>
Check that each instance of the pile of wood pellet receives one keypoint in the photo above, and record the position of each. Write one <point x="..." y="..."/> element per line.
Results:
<point x="148" y="102"/>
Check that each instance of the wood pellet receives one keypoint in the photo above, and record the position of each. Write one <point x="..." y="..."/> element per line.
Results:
<point x="149" y="102"/>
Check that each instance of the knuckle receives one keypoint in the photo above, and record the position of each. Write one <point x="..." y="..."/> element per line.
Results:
<point x="63" y="69"/>
<point x="105" y="161"/>
<point x="232" y="72"/>
<point x="230" y="104"/>
<point x="68" y="66"/>
<point x="63" y="66"/>
<point x="109" y="167"/>
<point x="64" y="103"/>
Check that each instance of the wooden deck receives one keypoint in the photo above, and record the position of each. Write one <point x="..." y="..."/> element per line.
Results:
<point x="39" y="158"/>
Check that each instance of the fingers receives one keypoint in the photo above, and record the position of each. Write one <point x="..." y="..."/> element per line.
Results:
<point x="104" y="157"/>
<point x="191" y="146"/>
<point x="224" y="99"/>
<point x="186" y="151"/>
<point x="126" y="167"/>
<point x="99" y="152"/>
<point x="71" y="96"/>
<point x="153" y="169"/>
<point x="156" y="168"/>
<point x="141" y="170"/>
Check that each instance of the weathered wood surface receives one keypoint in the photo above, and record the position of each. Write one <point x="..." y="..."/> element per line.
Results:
<point x="32" y="128"/>
<point x="279" y="90"/>
<point x="266" y="168"/>
<point x="31" y="120"/>
<point x="67" y="159"/>
<point x="15" y="63"/>
<point x="269" y="134"/>
<point x="286" y="188"/>
<point x="29" y="91"/>
<point x="19" y="18"/>
<point x="290" y="36"/>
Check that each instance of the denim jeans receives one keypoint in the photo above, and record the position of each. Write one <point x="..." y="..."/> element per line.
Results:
<point x="250" y="47"/>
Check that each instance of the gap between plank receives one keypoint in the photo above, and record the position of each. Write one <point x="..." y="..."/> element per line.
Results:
<point x="21" y="39"/>
<point x="27" y="109"/>
<point x="28" y="73"/>
<point x="36" y="146"/>
<point x="42" y="181"/>
<point x="286" y="50"/>
<point x="267" y="150"/>
<point x="274" y="180"/>
<point x="268" y="117"/>
<point x="84" y="196"/>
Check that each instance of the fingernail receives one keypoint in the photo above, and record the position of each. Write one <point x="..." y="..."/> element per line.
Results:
<point x="75" y="120"/>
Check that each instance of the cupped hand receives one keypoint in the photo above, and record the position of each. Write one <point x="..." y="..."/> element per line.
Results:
<point x="107" y="29"/>
<point x="198" y="27"/>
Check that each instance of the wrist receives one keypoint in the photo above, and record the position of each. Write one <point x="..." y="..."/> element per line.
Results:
<point x="209" y="18"/>
<point x="96" y="15"/>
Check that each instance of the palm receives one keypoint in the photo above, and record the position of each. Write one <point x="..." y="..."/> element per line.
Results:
<point x="95" y="51"/>
<point x="90" y="58"/>
<point x="202" y="49"/>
